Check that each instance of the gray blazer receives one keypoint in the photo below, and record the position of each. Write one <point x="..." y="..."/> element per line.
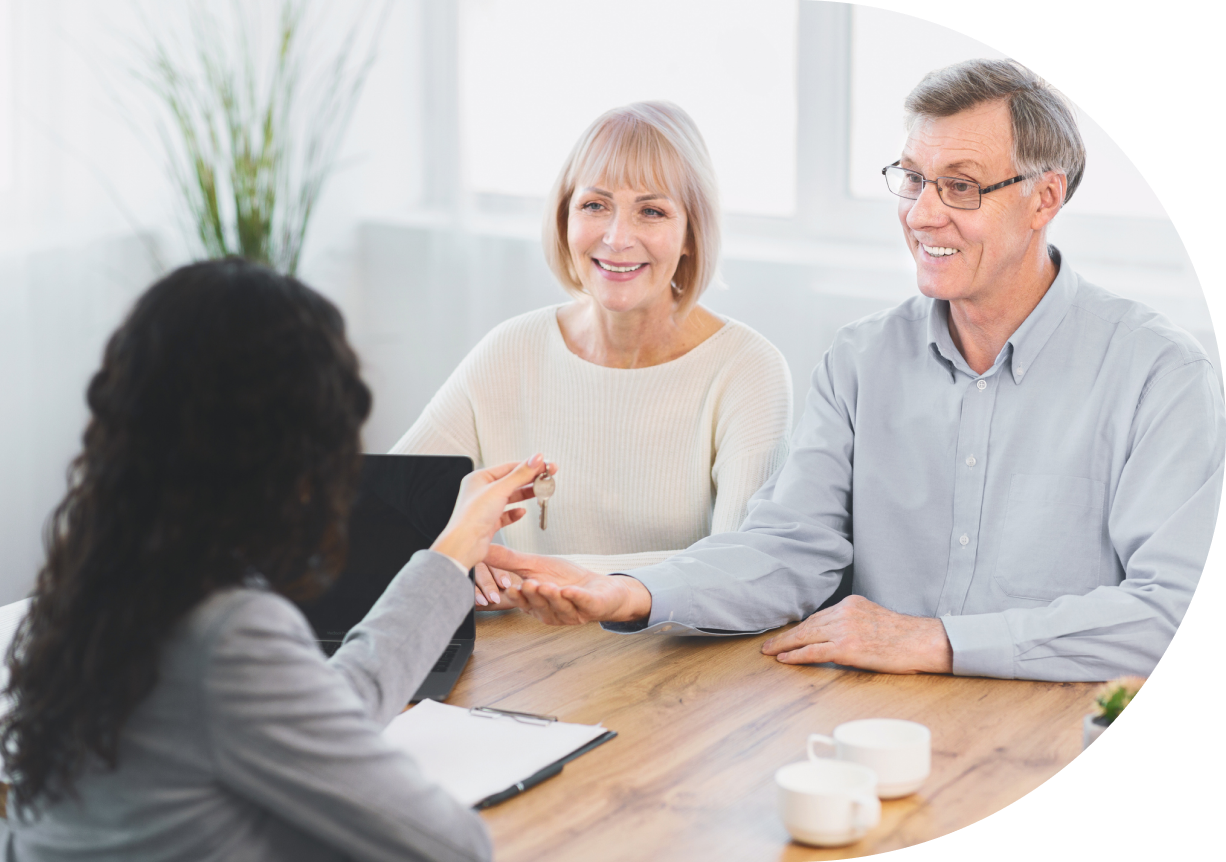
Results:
<point x="252" y="746"/>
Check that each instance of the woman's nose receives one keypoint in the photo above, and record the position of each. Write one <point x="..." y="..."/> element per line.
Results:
<point x="619" y="234"/>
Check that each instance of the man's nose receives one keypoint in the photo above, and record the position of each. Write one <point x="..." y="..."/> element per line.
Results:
<point x="927" y="210"/>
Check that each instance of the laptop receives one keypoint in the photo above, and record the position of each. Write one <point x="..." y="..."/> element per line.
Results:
<point x="402" y="504"/>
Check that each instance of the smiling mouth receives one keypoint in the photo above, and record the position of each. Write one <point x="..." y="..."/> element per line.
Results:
<point x="608" y="267"/>
<point x="938" y="251"/>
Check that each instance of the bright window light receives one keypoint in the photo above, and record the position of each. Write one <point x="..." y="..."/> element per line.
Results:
<point x="892" y="52"/>
<point x="533" y="78"/>
<point x="8" y="117"/>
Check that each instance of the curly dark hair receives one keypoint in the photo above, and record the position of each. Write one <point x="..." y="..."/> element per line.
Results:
<point x="223" y="442"/>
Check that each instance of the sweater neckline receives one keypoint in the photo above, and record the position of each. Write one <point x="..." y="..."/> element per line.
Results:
<point x="555" y="334"/>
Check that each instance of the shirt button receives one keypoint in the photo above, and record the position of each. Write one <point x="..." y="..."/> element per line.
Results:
<point x="964" y="540"/>
<point x="1020" y="371"/>
<point x="970" y="462"/>
<point x="982" y="384"/>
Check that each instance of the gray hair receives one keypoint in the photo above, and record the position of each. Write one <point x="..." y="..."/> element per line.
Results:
<point x="1045" y="134"/>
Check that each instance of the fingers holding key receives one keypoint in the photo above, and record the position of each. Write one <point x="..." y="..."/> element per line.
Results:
<point x="480" y="508"/>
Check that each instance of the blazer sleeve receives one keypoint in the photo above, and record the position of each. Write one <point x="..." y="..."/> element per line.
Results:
<point x="301" y="737"/>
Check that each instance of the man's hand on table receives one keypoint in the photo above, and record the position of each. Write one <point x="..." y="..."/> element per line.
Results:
<point x="559" y="593"/>
<point x="862" y="634"/>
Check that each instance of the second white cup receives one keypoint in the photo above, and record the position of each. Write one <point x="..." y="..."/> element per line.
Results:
<point x="900" y="752"/>
<point x="827" y="803"/>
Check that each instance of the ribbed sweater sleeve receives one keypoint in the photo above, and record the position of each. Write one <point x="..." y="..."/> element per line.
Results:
<point x="448" y="425"/>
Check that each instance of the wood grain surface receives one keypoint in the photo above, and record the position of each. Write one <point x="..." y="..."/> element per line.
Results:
<point x="703" y="724"/>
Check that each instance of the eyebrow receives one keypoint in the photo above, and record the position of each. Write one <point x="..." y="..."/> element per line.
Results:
<point x="962" y="164"/>
<point x="648" y="197"/>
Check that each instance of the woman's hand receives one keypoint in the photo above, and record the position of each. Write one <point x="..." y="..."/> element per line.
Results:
<point x="480" y="510"/>
<point x="491" y="585"/>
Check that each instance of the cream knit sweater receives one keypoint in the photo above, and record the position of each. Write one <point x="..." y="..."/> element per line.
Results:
<point x="649" y="459"/>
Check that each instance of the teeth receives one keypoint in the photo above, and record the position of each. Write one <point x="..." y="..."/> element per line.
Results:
<point x="631" y="268"/>
<point x="938" y="251"/>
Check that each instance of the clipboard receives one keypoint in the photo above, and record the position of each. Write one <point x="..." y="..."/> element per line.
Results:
<point x="484" y="756"/>
<point x="548" y="772"/>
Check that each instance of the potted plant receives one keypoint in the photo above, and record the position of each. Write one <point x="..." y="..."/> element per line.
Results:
<point x="251" y="127"/>
<point x="1109" y="702"/>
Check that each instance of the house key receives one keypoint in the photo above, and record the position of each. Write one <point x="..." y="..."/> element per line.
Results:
<point x="542" y="488"/>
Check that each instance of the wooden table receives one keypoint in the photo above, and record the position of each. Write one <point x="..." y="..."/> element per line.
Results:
<point x="703" y="724"/>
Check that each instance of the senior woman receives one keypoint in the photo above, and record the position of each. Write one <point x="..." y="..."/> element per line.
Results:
<point x="168" y="701"/>
<point x="667" y="416"/>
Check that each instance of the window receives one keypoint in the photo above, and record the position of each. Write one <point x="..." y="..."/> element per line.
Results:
<point x="531" y="83"/>
<point x="8" y="119"/>
<point x="892" y="52"/>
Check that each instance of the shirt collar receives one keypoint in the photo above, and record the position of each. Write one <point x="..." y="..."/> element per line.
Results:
<point x="1029" y="338"/>
<point x="1025" y="343"/>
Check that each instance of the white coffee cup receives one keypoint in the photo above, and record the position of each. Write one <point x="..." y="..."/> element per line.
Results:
<point x="900" y="752"/>
<point x="827" y="802"/>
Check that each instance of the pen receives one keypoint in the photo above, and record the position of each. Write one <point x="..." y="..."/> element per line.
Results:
<point x="520" y="786"/>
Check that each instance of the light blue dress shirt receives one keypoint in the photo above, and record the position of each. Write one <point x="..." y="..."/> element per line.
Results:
<point x="1054" y="512"/>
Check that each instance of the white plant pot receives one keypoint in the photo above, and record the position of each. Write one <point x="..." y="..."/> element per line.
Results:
<point x="1091" y="729"/>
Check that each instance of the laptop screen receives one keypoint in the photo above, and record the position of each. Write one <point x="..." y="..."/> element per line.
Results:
<point x="403" y="503"/>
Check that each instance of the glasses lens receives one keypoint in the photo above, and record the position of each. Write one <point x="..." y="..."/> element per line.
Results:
<point x="907" y="184"/>
<point x="962" y="194"/>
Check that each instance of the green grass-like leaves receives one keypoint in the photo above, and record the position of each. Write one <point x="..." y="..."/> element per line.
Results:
<point x="250" y="140"/>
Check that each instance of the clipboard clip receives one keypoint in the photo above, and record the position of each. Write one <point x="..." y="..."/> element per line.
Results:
<point x="522" y="717"/>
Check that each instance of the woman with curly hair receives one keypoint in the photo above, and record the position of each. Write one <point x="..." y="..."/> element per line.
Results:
<point x="169" y="700"/>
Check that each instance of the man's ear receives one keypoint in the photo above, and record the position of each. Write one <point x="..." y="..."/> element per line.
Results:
<point x="1049" y="198"/>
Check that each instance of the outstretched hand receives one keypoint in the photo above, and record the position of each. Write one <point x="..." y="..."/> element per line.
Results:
<point x="860" y="633"/>
<point x="558" y="592"/>
<point x="480" y="509"/>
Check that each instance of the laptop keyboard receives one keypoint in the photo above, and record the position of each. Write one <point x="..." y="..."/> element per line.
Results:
<point x="444" y="661"/>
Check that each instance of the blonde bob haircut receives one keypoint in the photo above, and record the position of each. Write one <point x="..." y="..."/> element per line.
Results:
<point x="646" y="145"/>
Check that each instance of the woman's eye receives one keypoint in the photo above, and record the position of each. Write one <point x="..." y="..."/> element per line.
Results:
<point x="652" y="211"/>
<point x="592" y="206"/>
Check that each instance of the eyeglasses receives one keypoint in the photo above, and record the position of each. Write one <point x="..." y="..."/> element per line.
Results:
<point x="954" y="192"/>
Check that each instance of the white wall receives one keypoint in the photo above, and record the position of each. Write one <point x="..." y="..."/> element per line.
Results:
<point x="420" y="258"/>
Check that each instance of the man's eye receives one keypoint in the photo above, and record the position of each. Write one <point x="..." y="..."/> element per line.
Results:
<point x="960" y="188"/>
<point x="913" y="179"/>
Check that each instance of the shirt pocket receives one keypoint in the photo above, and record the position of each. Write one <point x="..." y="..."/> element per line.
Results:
<point x="1052" y="541"/>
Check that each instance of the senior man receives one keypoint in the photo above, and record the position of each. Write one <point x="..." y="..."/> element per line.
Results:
<point x="1024" y="469"/>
